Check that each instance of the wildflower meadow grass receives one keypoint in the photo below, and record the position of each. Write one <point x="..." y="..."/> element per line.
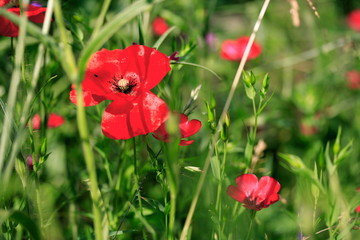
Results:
<point x="164" y="119"/>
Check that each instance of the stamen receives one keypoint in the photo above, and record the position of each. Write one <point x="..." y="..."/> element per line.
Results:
<point x="123" y="84"/>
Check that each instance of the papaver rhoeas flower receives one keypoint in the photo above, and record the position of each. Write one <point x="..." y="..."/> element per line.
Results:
<point x="126" y="77"/>
<point x="34" y="13"/>
<point x="54" y="121"/>
<point x="358" y="209"/>
<point x="234" y="49"/>
<point x="187" y="128"/>
<point x="159" y="26"/>
<point x="353" y="20"/>
<point x="255" y="194"/>
<point x="4" y="2"/>
<point x="353" y="78"/>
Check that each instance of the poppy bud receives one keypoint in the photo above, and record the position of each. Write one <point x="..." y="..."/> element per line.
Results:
<point x="265" y="86"/>
<point x="225" y="128"/>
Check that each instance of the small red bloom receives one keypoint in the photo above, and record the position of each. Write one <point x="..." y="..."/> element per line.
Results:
<point x="353" y="78"/>
<point x="4" y="2"/>
<point x="353" y="20"/>
<point x="54" y="121"/>
<point x="126" y="77"/>
<point x="187" y="129"/>
<point x="10" y="29"/>
<point x="234" y="49"/>
<point x="159" y="26"/>
<point x="307" y="129"/>
<point x="358" y="209"/>
<point x="255" y="194"/>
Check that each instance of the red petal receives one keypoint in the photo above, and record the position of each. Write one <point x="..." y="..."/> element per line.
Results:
<point x="36" y="122"/>
<point x="230" y="50"/>
<point x="102" y="67"/>
<point x="159" y="26"/>
<point x="271" y="199"/>
<point x="255" y="48"/>
<point x="4" y="2"/>
<point x="36" y="14"/>
<point x="8" y="28"/>
<point x="358" y="209"/>
<point x="353" y="20"/>
<point x="353" y="79"/>
<point x="247" y="183"/>
<point x="55" y="120"/>
<point x="150" y="64"/>
<point x="161" y="133"/>
<point x="89" y="99"/>
<point x="124" y="120"/>
<point x="267" y="187"/>
<point x="186" y="142"/>
<point x="188" y="128"/>
<point x="236" y="194"/>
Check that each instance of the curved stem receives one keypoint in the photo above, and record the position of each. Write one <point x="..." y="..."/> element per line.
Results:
<point x="221" y="120"/>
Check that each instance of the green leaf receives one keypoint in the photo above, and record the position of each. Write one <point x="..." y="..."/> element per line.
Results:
<point x="344" y="153"/>
<point x="163" y="37"/>
<point x="109" y="29"/>
<point x="215" y="167"/>
<point x="23" y="219"/>
<point x="250" y="91"/>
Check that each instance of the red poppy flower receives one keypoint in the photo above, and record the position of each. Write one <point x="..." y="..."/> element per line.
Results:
<point x="9" y="29"/>
<point x="353" y="20"/>
<point x="54" y="121"/>
<point x="255" y="194"/>
<point x="159" y="26"/>
<point x="234" y="49"/>
<point x="187" y="129"/>
<point x="353" y="78"/>
<point x="4" y="2"/>
<point x="126" y="77"/>
<point x="358" y="209"/>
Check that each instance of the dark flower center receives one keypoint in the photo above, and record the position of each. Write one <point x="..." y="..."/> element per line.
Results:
<point x="123" y="84"/>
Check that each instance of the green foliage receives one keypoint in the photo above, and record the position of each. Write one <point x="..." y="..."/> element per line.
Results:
<point x="294" y="117"/>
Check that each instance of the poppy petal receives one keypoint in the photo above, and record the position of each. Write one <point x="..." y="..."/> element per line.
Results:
<point x="267" y="187"/>
<point x="353" y="20"/>
<point x="186" y="142"/>
<point x="236" y="194"/>
<point x="102" y="67"/>
<point x="89" y="98"/>
<point x="4" y="2"/>
<point x="247" y="183"/>
<point x="188" y="128"/>
<point x="8" y="28"/>
<point x="230" y="50"/>
<point x="149" y="64"/>
<point x="124" y="120"/>
<point x="255" y="48"/>
<point x="159" y="26"/>
<point x="55" y="120"/>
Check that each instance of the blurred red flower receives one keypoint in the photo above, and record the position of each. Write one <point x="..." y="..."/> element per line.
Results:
<point x="126" y="77"/>
<point x="159" y="26"/>
<point x="187" y="129"/>
<point x="358" y="209"/>
<point x="353" y="20"/>
<point x="9" y="29"/>
<point x="54" y="121"/>
<point x="254" y="194"/>
<point x="353" y="78"/>
<point x="4" y="2"/>
<point x="234" y="49"/>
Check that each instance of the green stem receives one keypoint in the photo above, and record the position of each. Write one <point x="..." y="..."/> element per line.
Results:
<point x="90" y="162"/>
<point x="230" y="96"/>
<point x="11" y="100"/>
<point x="137" y="183"/>
<point x="101" y="17"/>
<point x="252" y="216"/>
